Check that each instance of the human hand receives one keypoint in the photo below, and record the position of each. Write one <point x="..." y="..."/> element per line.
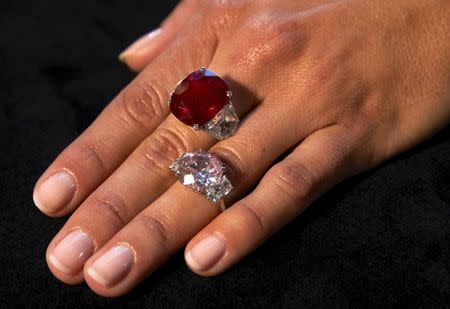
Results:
<point x="338" y="86"/>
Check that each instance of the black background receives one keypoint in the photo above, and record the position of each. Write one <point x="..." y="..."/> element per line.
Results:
<point x="380" y="239"/>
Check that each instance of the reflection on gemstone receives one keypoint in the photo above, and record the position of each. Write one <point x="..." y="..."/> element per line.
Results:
<point x="202" y="172"/>
<point x="188" y="180"/>
<point x="199" y="97"/>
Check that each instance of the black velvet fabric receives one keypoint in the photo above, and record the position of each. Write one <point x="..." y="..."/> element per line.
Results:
<point x="378" y="240"/>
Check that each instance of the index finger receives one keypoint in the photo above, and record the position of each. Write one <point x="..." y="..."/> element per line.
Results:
<point x="133" y="114"/>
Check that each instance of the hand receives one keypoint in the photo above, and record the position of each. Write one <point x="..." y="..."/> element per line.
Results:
<point x="337" y="86"/>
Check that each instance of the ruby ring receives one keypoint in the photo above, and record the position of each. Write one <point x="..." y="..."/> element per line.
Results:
<point x="203" y="101"/>
<point x="203" y="172"/>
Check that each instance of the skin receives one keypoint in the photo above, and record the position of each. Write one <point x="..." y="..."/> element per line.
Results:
<point x="358" y="81"/>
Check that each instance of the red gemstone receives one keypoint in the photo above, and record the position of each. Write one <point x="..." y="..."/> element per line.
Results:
<point x="199" y="97"/>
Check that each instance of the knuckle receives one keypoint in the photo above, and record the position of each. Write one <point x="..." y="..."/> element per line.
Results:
<point x="89" y="153"/>
<point x="223" y="13"/>
<point x="293" y="179"/>
<point x="114" y="205"/>
<point x="142" y="104"/>
<point x="252" y="216"/>
<point x="276" y="27"/>
<point x="164" y="146"/>
<point x="333" y="70"/>
<point x="156" y="227"/>
<point x="271" y="38"/>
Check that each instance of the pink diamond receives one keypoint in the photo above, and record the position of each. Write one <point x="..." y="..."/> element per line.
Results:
<point x="202" y="172"/>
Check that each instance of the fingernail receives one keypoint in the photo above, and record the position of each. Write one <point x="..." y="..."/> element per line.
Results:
<point x="141" y="44"/>
<point x="112" y="266"/>
<point x="55" y="192"/>
<point x="206" y="253"/>
<point x="72" y="252"/>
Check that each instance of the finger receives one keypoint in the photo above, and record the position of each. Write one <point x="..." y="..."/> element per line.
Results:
<point x="318" y="163"/>
<point x="167" y="224"/>
<point x="149" y="46"/>
<point x="124" y="123"/>
<point x="142" y="178"/>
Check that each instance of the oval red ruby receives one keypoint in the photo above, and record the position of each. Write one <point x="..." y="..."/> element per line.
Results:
<point x="199" y="97"/>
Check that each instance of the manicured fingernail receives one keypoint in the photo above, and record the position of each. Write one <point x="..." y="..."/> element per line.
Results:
<point x="141" y="44"/>
<point x="206" y="253"/>
<point x="55" y="192"/>
<point x="72" y="252"/>
<point x="112" y="266"/>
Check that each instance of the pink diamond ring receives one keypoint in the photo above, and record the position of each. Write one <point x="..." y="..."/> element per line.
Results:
<point x="204" y="173"/>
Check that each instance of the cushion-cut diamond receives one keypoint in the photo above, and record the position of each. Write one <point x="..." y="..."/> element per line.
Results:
<point x="202" y="172"/>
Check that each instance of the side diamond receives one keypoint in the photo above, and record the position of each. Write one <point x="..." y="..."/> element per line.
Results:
<point x="224" y="124"/>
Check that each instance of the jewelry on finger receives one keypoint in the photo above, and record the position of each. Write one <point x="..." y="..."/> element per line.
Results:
<point x="202" y="100"/>
<point x="203" y="172"/>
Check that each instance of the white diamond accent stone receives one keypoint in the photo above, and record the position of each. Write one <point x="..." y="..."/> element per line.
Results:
<point x="202" y="172"/>
<point x="224" y="124"/>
